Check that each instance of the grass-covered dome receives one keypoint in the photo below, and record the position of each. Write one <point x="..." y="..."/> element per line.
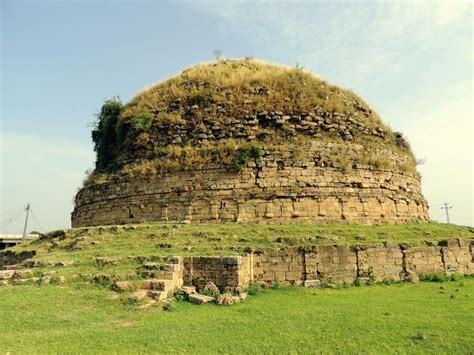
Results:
<point x="226" y="111"/>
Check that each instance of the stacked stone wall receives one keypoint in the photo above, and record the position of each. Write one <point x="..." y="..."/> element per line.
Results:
<point x="270" y="189"/>
<point x="423" y="260"/>
<point x="380" y="262"/>
<point x="338" y="264"/>
<point x="195" y="131"/>
<point x="222" y="271"/>
<point x="276" y="265"/>
<point x="458" y="256"/>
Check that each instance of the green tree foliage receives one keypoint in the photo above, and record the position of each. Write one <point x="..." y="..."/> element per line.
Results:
<point x="104" y="135"/>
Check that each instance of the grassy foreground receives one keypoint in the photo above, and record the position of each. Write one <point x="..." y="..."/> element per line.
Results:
<point x="398" y="318"/>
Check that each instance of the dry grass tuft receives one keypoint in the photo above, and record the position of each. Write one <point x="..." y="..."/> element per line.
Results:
<point x="288" y="88"/>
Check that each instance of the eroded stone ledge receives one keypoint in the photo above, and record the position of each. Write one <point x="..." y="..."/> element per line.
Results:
<point x="337" y="264"/>
<point x="264" y="191"/>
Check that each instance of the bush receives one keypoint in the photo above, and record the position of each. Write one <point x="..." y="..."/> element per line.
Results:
<point x="210" y="293"/>
<point x="389" y="282"/>
<point x="180" y="296"/>
<point x="401" y="141"/>
<point x="104" y="134"/>
<point x="434" y="277"/>
<point x="110" y="132"/>
<point x="254" y="289"/>
<point x="246" y="155"/>
<point x="142" y="123"/>
<point x="160" y="152"/>
<point x="169" y="306"/>
<point x="372" y="279"/>
<point x="440" y="277"/>
<point x="276" y="284"/>
<point x="102" y="280"/>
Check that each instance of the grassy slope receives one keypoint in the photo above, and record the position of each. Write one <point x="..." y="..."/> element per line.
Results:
<point x="83" y="245"/>
<point x="398" y="318"/>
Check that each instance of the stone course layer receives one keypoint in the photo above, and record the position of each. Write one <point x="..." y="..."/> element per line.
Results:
<point x="272" y="187"/>
<point x="337" y="264"/>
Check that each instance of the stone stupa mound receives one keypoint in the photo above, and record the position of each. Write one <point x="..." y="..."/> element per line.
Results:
<point x="244" y="140"/>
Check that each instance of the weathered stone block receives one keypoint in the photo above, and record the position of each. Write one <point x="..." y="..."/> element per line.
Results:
<point x="199" y="299"/>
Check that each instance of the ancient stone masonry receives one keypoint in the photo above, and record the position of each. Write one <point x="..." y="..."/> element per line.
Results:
<point x="336" y="264"/>
<point x="222" y="271"/>
<point x="298" y="265"/>
<point x="249" y="126"/>
<point x="278" y="145"/>
<point x="8" y="257"/>
<point x="269" y="189"/>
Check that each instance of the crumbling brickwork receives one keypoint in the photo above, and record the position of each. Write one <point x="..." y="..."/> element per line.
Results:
<point x="244" y="140"/>
<point x="222" y="271"/>
<point x="336" y="264"/>
<point x="322" y="264"/>
<point x="380" y="262"/>
<point x="275" y="265"/>
<point x="269" y="189"/>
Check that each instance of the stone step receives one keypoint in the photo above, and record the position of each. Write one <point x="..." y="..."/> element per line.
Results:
<point x="157" y="295"/>
<point x="196" y="298"/>
<point x="11" y="267"/>
<point x="157" y="259"/>
<point x="157" y="274"/>
<point x="158" y="285"/>
<point x="6" y="274"/>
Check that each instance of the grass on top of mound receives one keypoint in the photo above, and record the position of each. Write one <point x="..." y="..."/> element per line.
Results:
<point x="235" y="80"/>
<point x="127" y="137"/>
<point x="84" y="245"/>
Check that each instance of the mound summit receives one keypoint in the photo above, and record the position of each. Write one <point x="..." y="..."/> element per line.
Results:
<point x="245" y="140"/>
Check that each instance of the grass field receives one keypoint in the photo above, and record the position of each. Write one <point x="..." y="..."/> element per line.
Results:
<point x="79" y="316"/>
<point x="401" y="318"/>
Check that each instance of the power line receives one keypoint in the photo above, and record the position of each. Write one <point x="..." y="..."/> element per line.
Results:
<point x="36" y="220"/>
<point x="11" y="219"/>
<point x="10" y="212"/>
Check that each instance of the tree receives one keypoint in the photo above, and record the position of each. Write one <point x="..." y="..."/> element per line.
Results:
<point x="104" y="134"/>
<point x="218" y="54"/>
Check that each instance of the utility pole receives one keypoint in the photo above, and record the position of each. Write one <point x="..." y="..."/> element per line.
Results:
<point x="446" y="208"/>
<point x="26" y="221"/>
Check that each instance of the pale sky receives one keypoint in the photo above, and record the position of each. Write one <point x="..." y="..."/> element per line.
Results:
<point x="411" y="60"/>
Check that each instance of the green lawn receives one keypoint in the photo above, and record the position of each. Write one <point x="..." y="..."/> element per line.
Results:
<point x="402" y="318"/>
